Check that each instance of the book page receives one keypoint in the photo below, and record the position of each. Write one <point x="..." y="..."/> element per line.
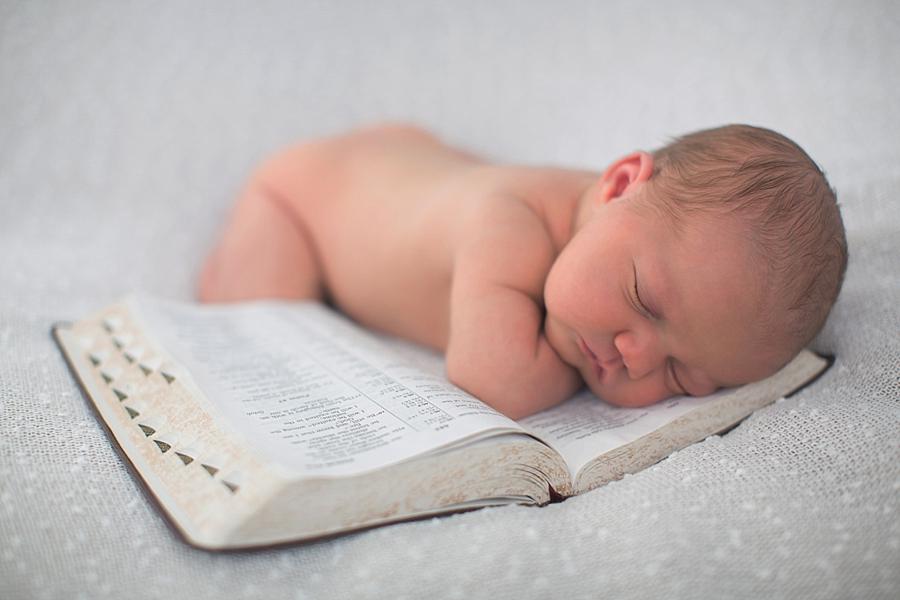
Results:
<point x="311" y="390"/>
<point x="584" y="427"/>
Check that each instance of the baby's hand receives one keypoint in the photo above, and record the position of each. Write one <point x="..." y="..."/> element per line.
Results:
<point x="497" y="350"/>
<point x="498" y="353"/>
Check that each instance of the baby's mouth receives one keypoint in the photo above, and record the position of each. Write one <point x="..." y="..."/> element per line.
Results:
<point x="603" y="373"/>
<point x="585" y="349"/>
<point x="600" y="372"/>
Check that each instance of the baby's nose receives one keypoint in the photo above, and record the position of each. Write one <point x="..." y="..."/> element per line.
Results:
<point x="639" y="356"/>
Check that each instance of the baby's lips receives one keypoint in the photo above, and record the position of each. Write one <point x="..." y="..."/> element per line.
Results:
<point x="603" y="369"/>
<point x="613" y="359"/>
<point x="610" y="363"/>
<point x="586" y="350"/>
<point x="601" y="373"/>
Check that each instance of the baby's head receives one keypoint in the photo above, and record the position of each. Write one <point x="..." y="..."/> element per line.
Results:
<point x="730" y="248"/>
<point x="785" y="206"/>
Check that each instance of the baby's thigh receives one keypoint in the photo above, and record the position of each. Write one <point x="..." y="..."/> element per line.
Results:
<point x="264" y="252"/>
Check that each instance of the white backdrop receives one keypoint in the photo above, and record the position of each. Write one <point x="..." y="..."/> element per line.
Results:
<point x="128" y="126"/>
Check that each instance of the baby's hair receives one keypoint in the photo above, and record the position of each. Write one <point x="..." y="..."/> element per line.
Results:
<point x="795" y="225"/>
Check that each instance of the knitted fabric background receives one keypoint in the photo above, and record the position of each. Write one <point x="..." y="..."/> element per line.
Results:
<point x="128" y="127"/>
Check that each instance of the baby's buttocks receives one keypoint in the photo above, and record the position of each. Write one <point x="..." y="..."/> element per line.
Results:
<point x="384" y="235"/>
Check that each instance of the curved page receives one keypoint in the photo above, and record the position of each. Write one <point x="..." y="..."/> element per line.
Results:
<point x="309" y="389"/>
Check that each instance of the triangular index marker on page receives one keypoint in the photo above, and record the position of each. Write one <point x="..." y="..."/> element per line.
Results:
<point x="131" y="412"/>
<point x="120" y="340"/>
<point x="120" y="394"/>
<point x="210" y="469"/>
<point x="110" y="374"/>
<point x="149" y="365"/>
<point x="112" y="323"/>
<point x="163" y="446"/>
<point x="169" y="378"/>
<point x="148" y="431"/>
<point x="134" y="354"/>
<point x="232" y="480"/>
<point x="185" y="458"/>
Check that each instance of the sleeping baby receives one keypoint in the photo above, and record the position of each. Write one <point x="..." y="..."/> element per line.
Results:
<point x="708" y="263"/>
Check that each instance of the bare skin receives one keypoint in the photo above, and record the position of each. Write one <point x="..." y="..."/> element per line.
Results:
<point x="417" y="239"/>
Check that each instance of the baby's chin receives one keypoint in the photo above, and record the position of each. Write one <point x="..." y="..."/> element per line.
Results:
<point x="623" y="394"/>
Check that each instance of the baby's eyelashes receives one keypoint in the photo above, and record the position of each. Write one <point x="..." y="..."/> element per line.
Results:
<point x="638" y="303"/>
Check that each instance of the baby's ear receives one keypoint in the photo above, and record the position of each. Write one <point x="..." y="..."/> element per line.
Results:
<point x="624" y="175"/>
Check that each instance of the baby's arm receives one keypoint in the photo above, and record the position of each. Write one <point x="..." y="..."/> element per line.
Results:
<point x="497" y="350"/>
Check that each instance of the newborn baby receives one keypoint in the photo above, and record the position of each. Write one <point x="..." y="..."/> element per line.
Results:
<point x="708" y="263"/>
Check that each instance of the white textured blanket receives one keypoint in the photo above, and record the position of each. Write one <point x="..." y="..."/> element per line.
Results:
<point x="127" y="128"/>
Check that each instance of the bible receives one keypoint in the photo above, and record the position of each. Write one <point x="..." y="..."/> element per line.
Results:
<point x="271" y="422"/>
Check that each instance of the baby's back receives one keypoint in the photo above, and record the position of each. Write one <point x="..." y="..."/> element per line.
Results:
<point x="387" y="209"/>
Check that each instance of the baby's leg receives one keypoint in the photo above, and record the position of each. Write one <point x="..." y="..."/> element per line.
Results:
<point x="269" y="249"/>
<point x="265" y="252"/>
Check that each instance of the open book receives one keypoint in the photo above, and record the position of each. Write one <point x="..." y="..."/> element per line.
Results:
<point x="269" y="422"/>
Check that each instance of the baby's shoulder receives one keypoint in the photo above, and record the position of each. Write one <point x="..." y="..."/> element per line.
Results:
<point x="511" y="221"/>
<point x="499" y="215"/>
<point x="533" y="201"/>
<point x="505" y="241"/>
